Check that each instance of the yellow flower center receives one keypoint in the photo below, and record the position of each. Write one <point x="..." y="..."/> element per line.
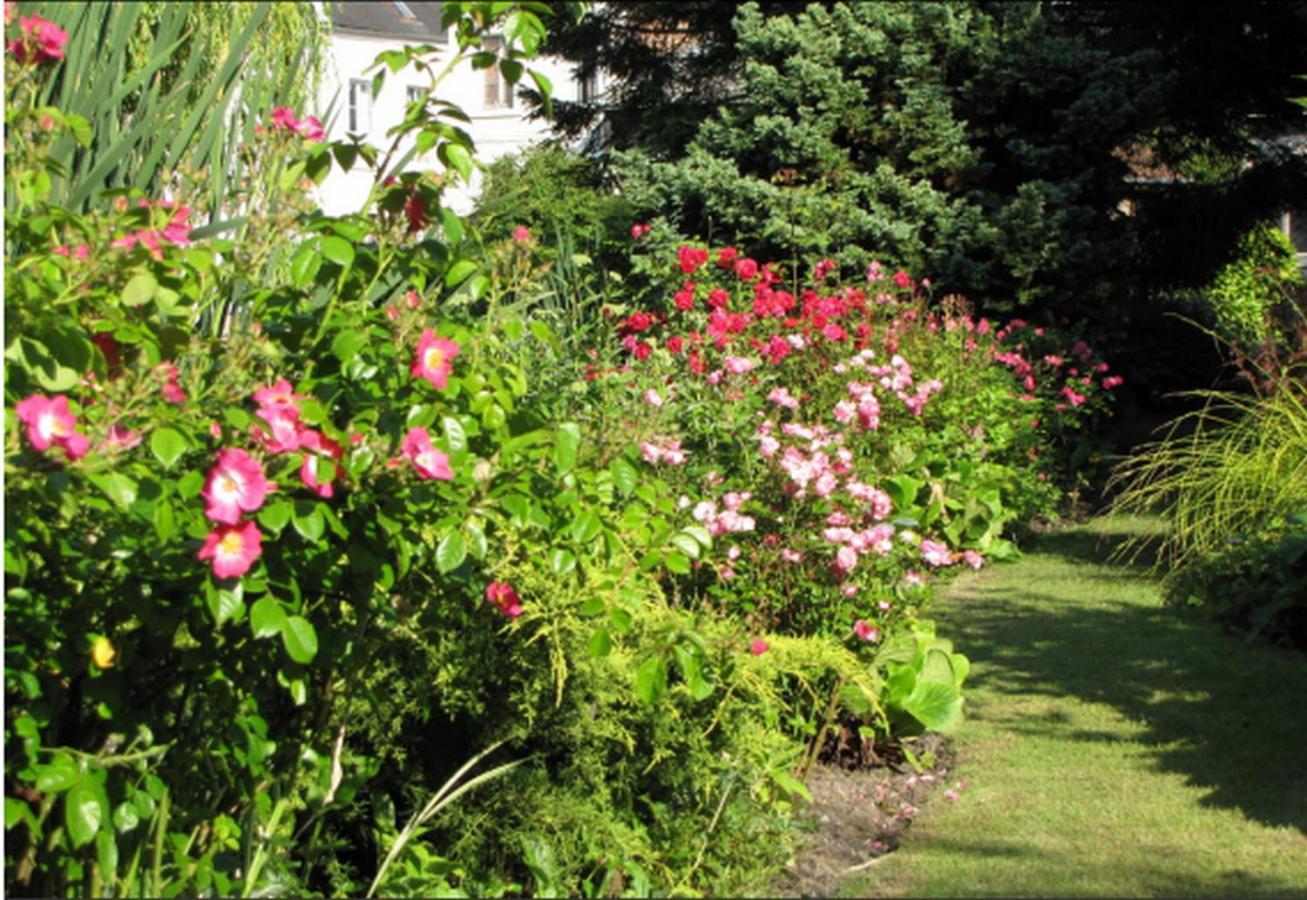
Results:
<point x="433" y="358"/>
<point x="231" y="544"/>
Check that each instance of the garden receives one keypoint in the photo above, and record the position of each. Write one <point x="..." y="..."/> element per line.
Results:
<point x="606" y="539"/>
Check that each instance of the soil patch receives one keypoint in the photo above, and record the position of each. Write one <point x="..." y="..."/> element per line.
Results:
<point x="862" y="803"/>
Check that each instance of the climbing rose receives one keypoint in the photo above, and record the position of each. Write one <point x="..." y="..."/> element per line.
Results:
<point x="42" y="38"/>
<point x="278" y="396"/>
<point x="759" y="647"/>
<point x="435" y="358"/>
<point x="502" y="595"/>
<point x="866" y="631"/>
<point x="235" y="485"/>
<point x="50" y="422"/>
<point x="639" y="230"/>
<point x="521" y="235"/>
<point x="310" y="128"/>
<point x="935" y="554"/>
<point x="427" y="460"/>
<point x="973" y="559"/>
<point x="233" y="549"/>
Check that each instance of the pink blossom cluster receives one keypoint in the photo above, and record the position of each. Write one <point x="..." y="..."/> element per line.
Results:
<point x="502" y="596"/>
<point x="726" y="519"/>
<point x="41" y="41"/>
<point x="177" y="232"/>
<point x="284" y="119"/>
<point x="50" y="423"/>
<point x="669" y="452"/>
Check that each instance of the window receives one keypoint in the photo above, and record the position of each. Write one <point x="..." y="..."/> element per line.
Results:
<point x="499" y="93"/>
<point x="415" y="94"/>
<point x="587" y="89"/>
<point x="360" y="105"/>
<point x="1295" y="225"/>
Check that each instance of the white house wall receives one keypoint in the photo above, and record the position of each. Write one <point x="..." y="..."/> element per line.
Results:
<point x="496" y="131"/>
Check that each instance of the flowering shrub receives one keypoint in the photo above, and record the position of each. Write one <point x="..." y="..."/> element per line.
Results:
<point x="840" y="444"/>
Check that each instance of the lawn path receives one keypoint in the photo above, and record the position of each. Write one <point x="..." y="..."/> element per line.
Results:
<point x="1113" y="747"/>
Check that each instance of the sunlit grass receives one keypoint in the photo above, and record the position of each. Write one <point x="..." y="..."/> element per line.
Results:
<point x="1113" y="747"/>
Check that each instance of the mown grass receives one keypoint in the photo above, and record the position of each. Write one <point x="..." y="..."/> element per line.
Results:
<point x="1112" y="747"/>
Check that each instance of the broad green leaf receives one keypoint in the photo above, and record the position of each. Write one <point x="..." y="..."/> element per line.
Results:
<point x="308" y="521"/>
<point x="455" y="435"/>
<point x="938" y="707"/>
<point x="140" y="289"/>
<point x="17" y="811"/>
<point x="790" y="784"/>
<point x="459" y="158"/>
<point x="451" y="552"/>
<point x="459" y="272"/>
<point x="274" y="516"/>
<point x="687" y="545"/>
<point x="117" y="486"/>
<point x="624" y="475"/>
<point x="586" y="527"/>
<point x="567" y="440"/>
<point x="601" y="643"/>
<point x="106" y="851"/>
<point x="300" y="639"/>
<point x="562" y="561"/>
<point x="226" y="605"/>
<point x="167" y="445"/>
<point x="59" y="774"/>
<point x="126" y="817"/>
<point x="651" y="680"/>
<point x="306" y="262"/>
<point x="84" y="811"/>
<point x="267" y="617"/>
<point x="678" y="563"/>
<point x="338" y="250"/>
<point x="476" y="540"/>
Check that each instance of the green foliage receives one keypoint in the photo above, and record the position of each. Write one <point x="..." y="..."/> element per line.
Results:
<point x="209" y="70"/>
<point x="1231" y="480"/>
<point x="1245" y="294"/>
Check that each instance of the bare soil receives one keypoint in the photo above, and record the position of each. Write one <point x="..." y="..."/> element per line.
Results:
<point x="863" y="800"/>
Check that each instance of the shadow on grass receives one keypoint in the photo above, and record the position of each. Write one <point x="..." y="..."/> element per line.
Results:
<point x="1231" y="718"/>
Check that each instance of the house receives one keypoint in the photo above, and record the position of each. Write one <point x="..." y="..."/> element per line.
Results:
<point x="362" y="30"/>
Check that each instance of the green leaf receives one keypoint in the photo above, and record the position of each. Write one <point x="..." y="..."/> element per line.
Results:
<point x="938" y="707"/>
<point x="562" y="561"/>
<point x="300" y="639"/>
<point x="308" y="521"/>
<point x="167" y="445"/>
<point x="140" y="289"/>
<point x="267" y="617"/>
<point x="586" y="526"/>
<point x="476" y="540"/>
<point x="117" y="487"/>
<point x="226" y="605"/>
<point x="687" y="545"/>
<point x="165" y="523"/>
<point x="451" y="553"/>
<point x="700" y="534"/>
<point x="791" y="785"/>
<point x="274" y="516"/>
<point x="678" y="563"/>
<point x="455" y="434"/>
<point x="338" y="250"/>
<point x="84" y="811"/>
<point x="59" y="774"/>
<point x="624" y="475"/>
<point x="17" y="811"/>
<point x="453" y="225"/>
<point x="567" y="441"/>
<point x="601" y="643"/>
<point x="459" y="272"/>
<point x="306" y="262"/>
<point x="126" y="817"/>
<point x="651" y="680"/>
<point x="458" y="157"/>
<point x="106" y="852"/>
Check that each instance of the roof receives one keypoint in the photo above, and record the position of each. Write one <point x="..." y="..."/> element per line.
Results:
<point x="411" y="19"/>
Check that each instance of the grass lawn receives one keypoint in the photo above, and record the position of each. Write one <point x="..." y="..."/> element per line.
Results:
<point x="1113" y="746"/>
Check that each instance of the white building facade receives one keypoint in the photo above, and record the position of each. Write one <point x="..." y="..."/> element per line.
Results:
<point x="361" y="31"/>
